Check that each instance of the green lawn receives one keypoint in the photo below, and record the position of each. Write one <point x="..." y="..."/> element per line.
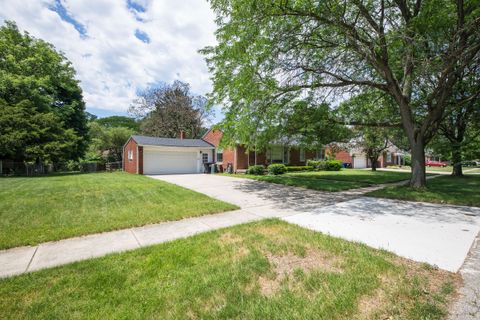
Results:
<point x="447" y="189"/>
<point x="38" y="209"/>
<point x="263" y="270"/>
<point x="333" y="180"/>
<point x="440" y="169"/>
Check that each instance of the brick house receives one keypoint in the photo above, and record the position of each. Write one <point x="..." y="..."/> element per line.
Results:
<point x="293" y="155"/>
<point x="153" y="155"/>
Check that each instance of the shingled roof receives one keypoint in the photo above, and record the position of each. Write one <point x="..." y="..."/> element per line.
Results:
<point x="171" y="142"/>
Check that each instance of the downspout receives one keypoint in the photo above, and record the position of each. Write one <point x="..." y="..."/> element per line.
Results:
<point x="138" y="158"/>
<point x="235" y="159"/>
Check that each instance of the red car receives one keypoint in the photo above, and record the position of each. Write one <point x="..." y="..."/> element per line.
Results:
<point x="436" y="164"/>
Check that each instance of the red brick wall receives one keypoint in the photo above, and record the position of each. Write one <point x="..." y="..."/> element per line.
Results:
<point x="261" y="158"/>
<point x="309" y="154"/>
<point x="228" y="156"/>
<point x="242" y="158"/>
<point x="294" y="157"/>
<point x="130" y="165"/>
<point x="213" y="137"/>
<point x="344" y="156"/>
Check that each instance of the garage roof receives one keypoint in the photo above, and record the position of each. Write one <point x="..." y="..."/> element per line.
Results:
<point x="172" y="142"/>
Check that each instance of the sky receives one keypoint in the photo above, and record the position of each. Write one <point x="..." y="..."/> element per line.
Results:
<point x="119" y="47"/>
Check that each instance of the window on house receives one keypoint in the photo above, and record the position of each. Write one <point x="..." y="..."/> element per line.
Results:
<point x="320" y="154"/>
<point x="275" y="154"/>
<point x="219" y="155"/>
<point x="130" y="155"/>
<point x="302" y="155"/>
<point x="389" y="157"/>
<point x="204" y="157"/>
<point x="286" y="155"/>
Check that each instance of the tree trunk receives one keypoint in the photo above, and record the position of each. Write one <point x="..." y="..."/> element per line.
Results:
<point x="373" y="161"/>
<point x="418" y="178"/>
<point x="457" y="161"/>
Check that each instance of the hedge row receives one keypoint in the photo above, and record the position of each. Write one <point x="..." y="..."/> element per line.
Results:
<point x="325" y="165"/>
<point x="276" y="169"/>
<point x="298" y="168"/>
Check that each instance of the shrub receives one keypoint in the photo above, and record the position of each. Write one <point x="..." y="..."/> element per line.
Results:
<point x="325" y="165"/>
<point x="277" y="169"/>
<point x="317" y="164"/>
<point x="72" y="165"/>
<point x="91" y="166"/>
<point x="256" y="170"/>
<point x="313" y="163"/>
<point x="407" y="160"/>
<point x="298" y="168"/>
<point x="333" y="165"/>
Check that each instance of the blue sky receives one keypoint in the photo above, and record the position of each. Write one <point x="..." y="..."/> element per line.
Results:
<point x="119" y="47"/>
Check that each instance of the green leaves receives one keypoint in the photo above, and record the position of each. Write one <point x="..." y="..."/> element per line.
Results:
<point x="107" y="141"/>
<point x="42" y="108"/>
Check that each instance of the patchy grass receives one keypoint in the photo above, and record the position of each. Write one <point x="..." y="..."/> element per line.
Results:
<point x="447" y="189"/>
<point x="38" y="209"/>
<point x="262" y="270"/>
<point x="333" y="180"/>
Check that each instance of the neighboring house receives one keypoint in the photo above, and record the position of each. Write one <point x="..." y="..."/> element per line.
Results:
<point x="392" y="156"/>
<point x="294" y="155"/>
<point x="276" y="153"/>
<point x="152" y="155"/>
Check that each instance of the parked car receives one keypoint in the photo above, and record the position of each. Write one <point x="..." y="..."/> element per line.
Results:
<point x="436" y="164"/>
<point x="471" y="163"/>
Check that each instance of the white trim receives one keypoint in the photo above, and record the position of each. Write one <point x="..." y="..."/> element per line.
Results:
<point x="138" y="161"/>
<point x="177" y="147"/>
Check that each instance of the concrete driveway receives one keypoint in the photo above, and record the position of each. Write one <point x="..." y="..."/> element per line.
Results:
<point x="437" y="234"/>
<point x="247" y="193"/>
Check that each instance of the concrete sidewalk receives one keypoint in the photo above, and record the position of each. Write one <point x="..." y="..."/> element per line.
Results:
<point x="467" y="307"/>
<point x="49" y="254"/>
<point x="443" y="173"/>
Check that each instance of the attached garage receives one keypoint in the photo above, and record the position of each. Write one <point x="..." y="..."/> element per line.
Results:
<point x="360" y="161"/>
<point x="153" y="155"/>
<point x="168" y="162"/>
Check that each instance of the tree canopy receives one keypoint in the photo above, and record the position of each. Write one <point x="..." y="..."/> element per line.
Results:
<point x="271" y="54"/>
<point x="42" y="109"/>
<point x="107" y="141"/>
<point x="166" y="109"/>
<point x="119" y="121"/>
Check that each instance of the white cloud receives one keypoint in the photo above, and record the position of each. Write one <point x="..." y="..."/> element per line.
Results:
<point x="111" y="62"/>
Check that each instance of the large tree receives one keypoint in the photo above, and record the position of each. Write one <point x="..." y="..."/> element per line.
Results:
<point x="461" y="123"/>
<point x="166" y="109"/>
<point x="42" y="110"/>
<point x="273" y="53"/>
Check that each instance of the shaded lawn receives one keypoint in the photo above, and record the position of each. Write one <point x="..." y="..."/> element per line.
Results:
<point x="333" y="180"/>
<point x="440" y="169"/>
<point x="262" y="270"/>
<point x="39" y="209"/>
<point x="446" y="189"/>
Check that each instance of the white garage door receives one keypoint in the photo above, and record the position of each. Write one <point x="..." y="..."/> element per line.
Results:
<point x="359" y="162"/>
<point x="167" y="162"/>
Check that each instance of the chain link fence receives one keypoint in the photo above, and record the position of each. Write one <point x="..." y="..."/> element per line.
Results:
<point x="17" y="168"/>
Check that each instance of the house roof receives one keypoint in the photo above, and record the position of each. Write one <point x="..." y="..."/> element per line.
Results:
<point x="171" y="142"/>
